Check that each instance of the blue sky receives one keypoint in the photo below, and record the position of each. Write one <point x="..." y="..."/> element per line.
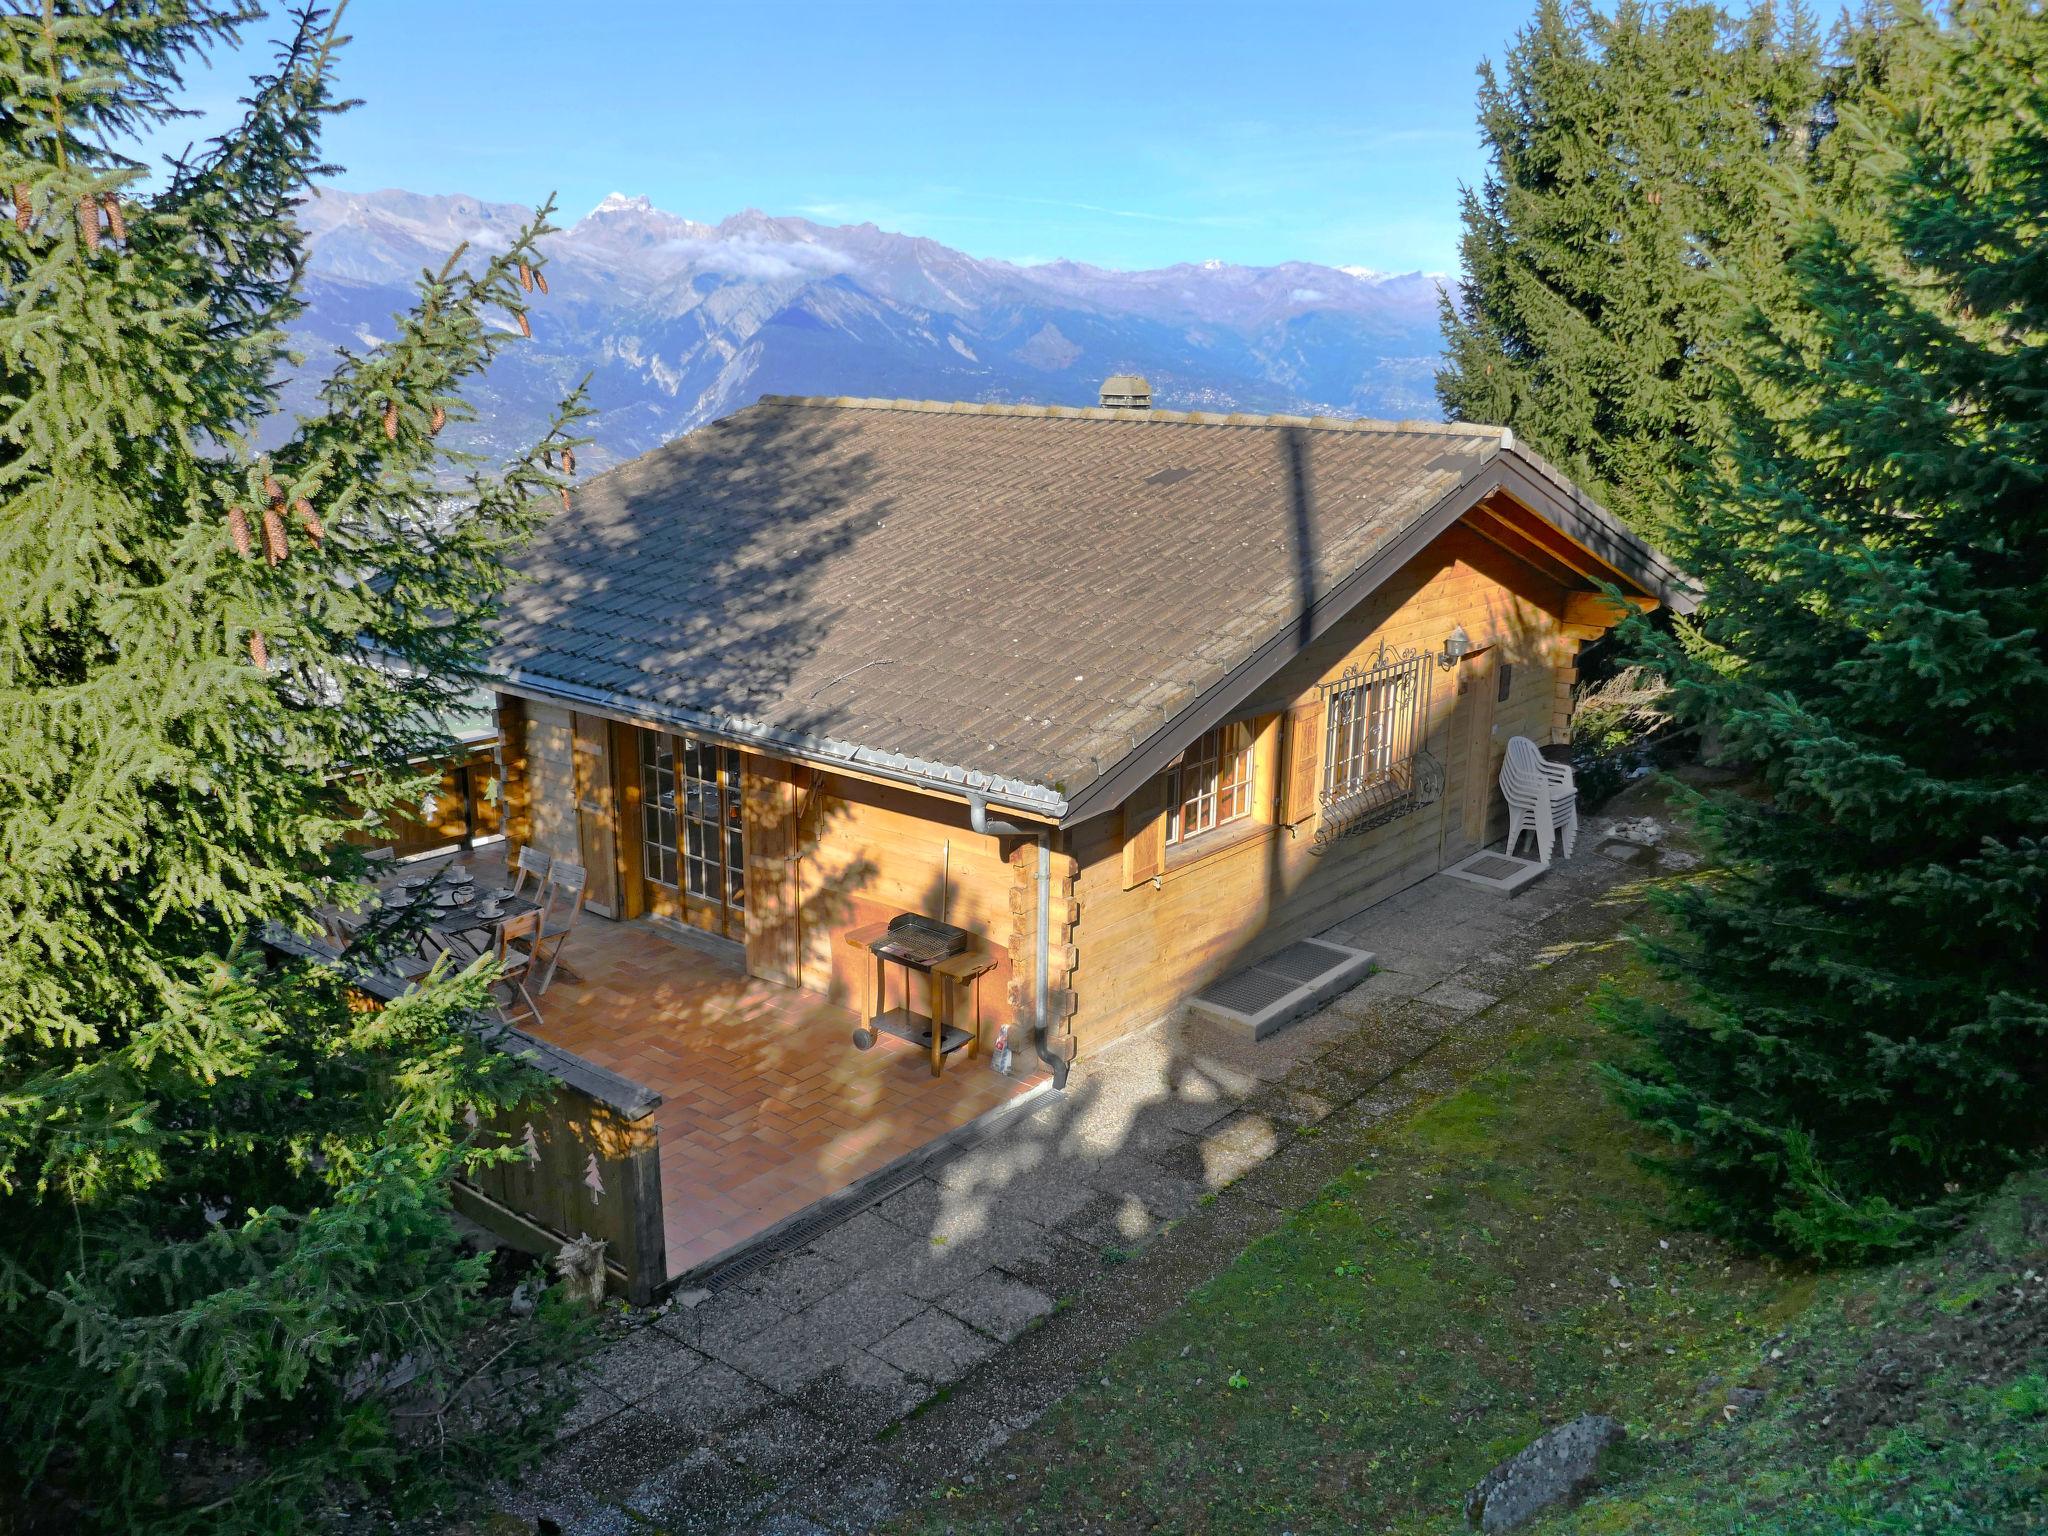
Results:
<point x="1127" y="134"/>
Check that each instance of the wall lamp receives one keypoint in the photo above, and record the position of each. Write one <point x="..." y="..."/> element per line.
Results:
<point x="1457" y="646"/>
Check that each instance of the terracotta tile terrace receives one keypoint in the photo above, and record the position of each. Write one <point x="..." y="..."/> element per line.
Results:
<point x="766" y="1105"/>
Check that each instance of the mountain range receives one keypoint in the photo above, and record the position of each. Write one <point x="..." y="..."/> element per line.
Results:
<point x="678" y="322"/>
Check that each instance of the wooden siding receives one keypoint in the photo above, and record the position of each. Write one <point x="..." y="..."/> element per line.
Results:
<point x="1144" y="945"/>
<point x="868" y="851"/>
<point x="771" y="793"/>
<point x="457" y="806"/>
<point x="586" y="1168"/>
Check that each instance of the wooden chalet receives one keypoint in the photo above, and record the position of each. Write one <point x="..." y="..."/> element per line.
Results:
<point x="1130" y="697"/>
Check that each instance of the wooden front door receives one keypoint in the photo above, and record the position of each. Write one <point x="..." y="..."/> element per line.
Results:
<point x="693" y="864"/>
<point x="1476" y="680"/>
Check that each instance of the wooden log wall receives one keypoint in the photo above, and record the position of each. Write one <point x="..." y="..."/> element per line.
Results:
<point x="868" y="851"/>
<point x="1143" y="945"/>
<point x="457" y="804"/>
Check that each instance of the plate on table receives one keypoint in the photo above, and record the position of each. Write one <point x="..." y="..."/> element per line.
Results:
<point x="460" y="876"/>
<point x="451" y="898"/>
<point x="489" y="909"/>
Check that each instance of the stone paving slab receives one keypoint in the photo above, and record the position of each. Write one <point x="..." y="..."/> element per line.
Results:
<point x="998" y="1304"/>
<point x="706" y="1400"/>
<point x="864" y="1390"/>
<point x="728" y="1318"/>
<point x="934" y="1346"/>
<point x="755" y="1410"/>
<point x="1458" y="999"/>
<point x="641" y="1364"/>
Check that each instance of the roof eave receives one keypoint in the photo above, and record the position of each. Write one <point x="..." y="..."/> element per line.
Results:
<point x="1511" y="469"/>
<point x="929" y="777"/>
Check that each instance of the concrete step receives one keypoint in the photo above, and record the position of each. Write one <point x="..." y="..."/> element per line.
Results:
<point x="1283" y="987"/>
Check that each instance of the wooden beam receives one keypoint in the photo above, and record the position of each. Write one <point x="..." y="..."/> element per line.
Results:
<point x="1598" y="610"/>
<point x="1503" y="537"/>
<point x="1559" y="546"/>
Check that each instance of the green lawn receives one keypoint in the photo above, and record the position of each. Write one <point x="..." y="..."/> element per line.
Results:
<point x="1491" y="1265"/>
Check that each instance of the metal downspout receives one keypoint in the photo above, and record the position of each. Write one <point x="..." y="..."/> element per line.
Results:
<point x="1041" y="1032"/>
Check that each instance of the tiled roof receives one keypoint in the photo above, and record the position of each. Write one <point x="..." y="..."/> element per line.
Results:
<point x="1014" y="598"/>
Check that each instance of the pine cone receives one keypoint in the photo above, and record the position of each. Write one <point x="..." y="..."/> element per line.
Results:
<point x="272" y="491"/>
<point x="22" y="211"/>
<point x="526" y="277"/>
<point x="258" y="651"/>
<point x="565" y="498"/>
<point x="568" y="461"/>
<point x="304" y="509"/>
<point x="525" y="329"/>
<point x="391" y="418"/>
<point x="116" y="220"/>
<point x="437" y="422"/>
<point x="547" y="457"/>
<point x="540" y="279"/>
<point x="238" y="529"/>
<point x="89" y="223"/>
<point x="274" y="548"/>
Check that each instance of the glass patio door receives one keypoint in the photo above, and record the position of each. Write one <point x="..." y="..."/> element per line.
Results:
<point x="693" y="844"/>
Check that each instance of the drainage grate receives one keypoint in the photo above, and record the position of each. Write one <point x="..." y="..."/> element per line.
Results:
<point x="1493" y="866"/>
<point x="1304" y="962"/>
<point x="1502" y="873"/>
<point x="1248" y="991"/>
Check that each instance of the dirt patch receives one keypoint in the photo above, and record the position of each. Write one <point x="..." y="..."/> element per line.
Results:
<point x="1979" y="1319"/>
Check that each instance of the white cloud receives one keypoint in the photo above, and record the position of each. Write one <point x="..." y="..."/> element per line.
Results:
<point x="762" y="260"/>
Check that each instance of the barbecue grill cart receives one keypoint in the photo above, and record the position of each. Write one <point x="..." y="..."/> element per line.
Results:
<point x="948" y="957"/>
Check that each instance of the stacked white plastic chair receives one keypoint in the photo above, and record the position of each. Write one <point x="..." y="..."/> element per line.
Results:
<point x="1542" y="799"/>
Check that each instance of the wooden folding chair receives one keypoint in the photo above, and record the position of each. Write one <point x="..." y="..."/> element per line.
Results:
<point x="529" y="869"/>
<point x="567" y="884"/>
<point x="517" y="961"/>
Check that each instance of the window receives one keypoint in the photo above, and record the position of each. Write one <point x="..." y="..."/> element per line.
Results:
<point x="1211" y="785"/>
<point x="1507" y="683"/>
<point x="658" y="806"/>
<point x="693" y="842"/>
<point x="1363" y="725"/>
<point x="713" y="864"/>
<point x="1375" y="766"/>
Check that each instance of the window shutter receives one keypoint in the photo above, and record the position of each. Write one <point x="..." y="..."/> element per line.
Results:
<point x="1300" y="789"/>
<point x="1145" y="832"/>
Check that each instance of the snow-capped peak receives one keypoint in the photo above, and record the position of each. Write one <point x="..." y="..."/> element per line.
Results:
<point x="1364" y="274"/>
<point x="618" y="202"/>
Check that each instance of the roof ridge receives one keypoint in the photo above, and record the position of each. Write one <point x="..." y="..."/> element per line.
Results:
<point x="1500" y="435"/>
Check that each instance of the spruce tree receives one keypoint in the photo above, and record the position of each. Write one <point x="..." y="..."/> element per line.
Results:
<point x="1855" y="1041"/>
<point x="1628" y="154"/>
<point x="230" y="1292"/>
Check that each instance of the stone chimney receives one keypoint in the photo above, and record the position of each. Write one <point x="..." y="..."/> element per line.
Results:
<point x="1126" y="392"/>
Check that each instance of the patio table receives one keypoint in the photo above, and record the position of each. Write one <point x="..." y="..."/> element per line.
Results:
<point x="451" y="921"/>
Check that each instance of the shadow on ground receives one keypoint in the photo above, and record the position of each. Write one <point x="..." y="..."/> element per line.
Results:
<point x="903" y="1348"/>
